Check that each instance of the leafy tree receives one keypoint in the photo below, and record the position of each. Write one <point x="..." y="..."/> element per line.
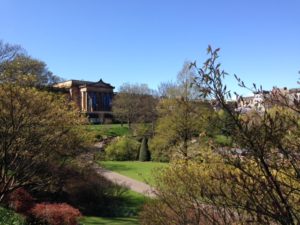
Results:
<point x="36" y="129"/>
<point x="29" y="71"/>
<point x="144" y="154"/>
<point x="135" y="103"/>
<point x="179" y="116"/>
<point x="16" y="65"/>
<point x="122" y="149"/>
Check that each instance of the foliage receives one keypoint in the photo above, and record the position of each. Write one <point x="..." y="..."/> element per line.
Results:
<point x="20" y="201"/>
<point x="27" y="71"/>
<point x="122" y="149"/>
<point x="134" y="103"/>
<point x="185" y="194"/>
<point x="266" y="183"/>
<point x="222" y="140"/>
<point x="180" y="118"/>
<point x="17" y="67"/>
<point x="54" y="214"/>
<point x="144" y="154"/>
<point x="9" y="52"/>
<point x="36" y="127"/>
<point x="79" y="185"/>
<point x="9" y="217"/>
<point x="256" y="181"/>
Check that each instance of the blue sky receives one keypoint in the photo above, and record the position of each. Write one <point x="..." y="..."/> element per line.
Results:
<point x="148" y="41"/>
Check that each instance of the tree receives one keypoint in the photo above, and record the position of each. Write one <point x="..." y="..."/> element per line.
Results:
<point x="8" y="52"/>
<point x="144" y="154"/>
<point x="134" y="103"/>
<point x="21" y="67"/>
<point x="179" y="116"/>
<point x="16" y="65"/>
<point x="37" y="128"/>
<point x="261" y="185"/>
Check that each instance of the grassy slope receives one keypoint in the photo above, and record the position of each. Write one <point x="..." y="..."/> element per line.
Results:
<point x="136" y="170"/>
<point x="109" y="130"/>
<point x="109" y="221"/>
<point x="132" y="203"/>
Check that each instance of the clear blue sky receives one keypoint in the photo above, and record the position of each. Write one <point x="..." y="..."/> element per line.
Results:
<point x="148" y="41"/>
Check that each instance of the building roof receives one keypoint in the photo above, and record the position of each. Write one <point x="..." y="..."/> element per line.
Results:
<point x="99" y="83"/>
<point x="71" y="83"/>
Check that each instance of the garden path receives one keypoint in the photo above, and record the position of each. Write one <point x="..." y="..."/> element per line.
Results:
<point x="132" y="184"/>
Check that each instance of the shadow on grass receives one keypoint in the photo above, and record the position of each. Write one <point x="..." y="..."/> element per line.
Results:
<point x="110" y="221"/>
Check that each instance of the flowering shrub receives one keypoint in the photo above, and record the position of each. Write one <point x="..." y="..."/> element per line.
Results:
<point x="20" y="201"/>
<point x="55" y="214"/>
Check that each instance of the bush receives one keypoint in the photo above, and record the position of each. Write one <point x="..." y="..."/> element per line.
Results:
<point x="54" y="214"/>
<point x="122" y="149"/>
<point x="85" y="189"/>
<point x="20" y="201"/>
<point x="160" y="151"/>
<point x="93" y="194"/>
<point x="8" y="217"/>
<point x="223" y="141"/>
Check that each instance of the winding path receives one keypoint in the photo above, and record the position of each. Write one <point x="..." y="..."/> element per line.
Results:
<point x="130" y="183"/>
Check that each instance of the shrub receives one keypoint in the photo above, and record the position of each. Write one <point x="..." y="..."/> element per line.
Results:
<point x="8" y="217"/>
<point x="160" y="151"/>
<point x="54" y="214"/>
<point x="85" y="189"/>
<point x="123" y="148"/>
<point x="144" y="151"/>
<point x="223" y="141"/>
<point x="20" y="200"/>
<point x="93" y="194"/>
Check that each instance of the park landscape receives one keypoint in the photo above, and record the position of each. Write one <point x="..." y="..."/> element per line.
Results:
<point x="207" y="147"/>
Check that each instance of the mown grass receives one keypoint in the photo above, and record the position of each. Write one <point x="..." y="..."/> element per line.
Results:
<point x="100" y="131"/>
<point x="128" y="212"/>
<point x="141" y="171"/>
<point x="109" y="221"/>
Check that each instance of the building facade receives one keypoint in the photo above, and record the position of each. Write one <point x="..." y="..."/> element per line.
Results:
<point x="93" y="98"/>
<point x="263" y="100"/>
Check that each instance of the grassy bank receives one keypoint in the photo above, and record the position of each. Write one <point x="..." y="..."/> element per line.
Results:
<point x="106" y="130"/>
<point x="127" y="214"/>
<point x="141" y="171"/>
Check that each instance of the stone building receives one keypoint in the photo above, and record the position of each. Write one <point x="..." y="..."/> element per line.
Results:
<point x="93" y="98"/>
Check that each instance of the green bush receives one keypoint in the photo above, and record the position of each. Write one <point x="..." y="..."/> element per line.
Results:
<point x="122" y="149"/>
<point x="8" y="217"/>
<point x="160" y="151"/>
<point x="223" y="141"/>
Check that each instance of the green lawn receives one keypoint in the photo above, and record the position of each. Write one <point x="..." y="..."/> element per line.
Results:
<point x="141" y="171"/>
<point x="109" y="221"/>
<point x="128" y="212"/>
<point x="99" y="131"/>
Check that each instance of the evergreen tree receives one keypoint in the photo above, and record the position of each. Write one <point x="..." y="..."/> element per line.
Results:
<point x="144" y="151"/>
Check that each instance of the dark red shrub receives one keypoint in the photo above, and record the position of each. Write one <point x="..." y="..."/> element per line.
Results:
<point x="55" y="214"/>
<point x="20" y="201"/>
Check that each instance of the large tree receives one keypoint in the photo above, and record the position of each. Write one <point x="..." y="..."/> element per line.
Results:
<point x="16" y="65"/>
<point x="37" y="128"/>
<point x="180" y="116"/>
<point x="135" y="103"/>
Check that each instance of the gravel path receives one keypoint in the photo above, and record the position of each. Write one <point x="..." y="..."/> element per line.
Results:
<point x="132" y="184"/>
